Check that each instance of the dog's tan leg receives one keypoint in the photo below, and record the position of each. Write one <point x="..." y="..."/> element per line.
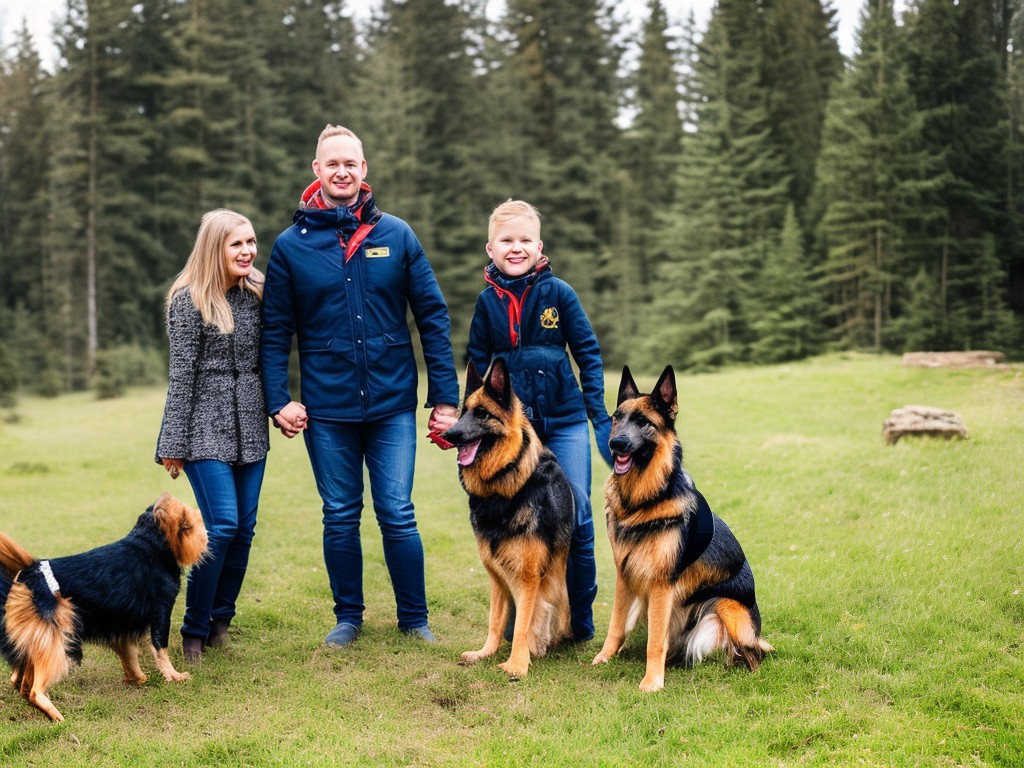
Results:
<point x="37" y="698"/>
<point x="497" y="616"/>
<point x="621" y="604"/>
<point x="128" y="652"/>
<point x="35" y="679"/>
<point x="163" y="663"/>
<point x="526" y="603"/>
<point x="659" y="616"/>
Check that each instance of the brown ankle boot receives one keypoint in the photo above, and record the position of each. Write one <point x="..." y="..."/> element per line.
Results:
<point x="218" y="637"/>
<point x="192" y="649"/>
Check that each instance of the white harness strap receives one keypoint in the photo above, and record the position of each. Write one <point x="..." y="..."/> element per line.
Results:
<point x="51" y="581"/>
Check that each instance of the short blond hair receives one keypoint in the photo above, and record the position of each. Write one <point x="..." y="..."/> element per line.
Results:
<point x="330" y="131"/>
<point x="511" y="209"/>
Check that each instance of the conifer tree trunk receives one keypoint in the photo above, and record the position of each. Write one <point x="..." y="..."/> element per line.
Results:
<point x="92" y="344"/>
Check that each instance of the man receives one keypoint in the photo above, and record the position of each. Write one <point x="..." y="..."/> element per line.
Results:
<point x="341" y="279"/>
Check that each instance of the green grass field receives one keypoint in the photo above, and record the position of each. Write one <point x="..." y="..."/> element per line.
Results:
<point x="889" y="578"/>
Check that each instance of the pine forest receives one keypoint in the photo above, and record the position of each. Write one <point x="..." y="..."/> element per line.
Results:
<point x="733" y="192"/>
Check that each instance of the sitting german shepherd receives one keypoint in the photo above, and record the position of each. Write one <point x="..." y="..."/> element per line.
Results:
<point x="522" y="511"/>
<point x="675" y="560"/>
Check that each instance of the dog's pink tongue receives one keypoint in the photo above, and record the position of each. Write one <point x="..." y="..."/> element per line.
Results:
<point x="623" y="463"/>
<point x="467" y="453"/>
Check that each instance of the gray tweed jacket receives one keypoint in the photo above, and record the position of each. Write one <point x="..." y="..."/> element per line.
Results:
<point x="215" y="406"/>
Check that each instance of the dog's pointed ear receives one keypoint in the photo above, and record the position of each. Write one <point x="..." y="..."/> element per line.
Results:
<point x="473" y="381"/>
<point x="498" y="385"/>
<point x="627" y="387"/>
<point x="664" y="395"/>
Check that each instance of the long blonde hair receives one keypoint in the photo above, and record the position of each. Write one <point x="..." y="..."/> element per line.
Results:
<point x="205" y="273"/>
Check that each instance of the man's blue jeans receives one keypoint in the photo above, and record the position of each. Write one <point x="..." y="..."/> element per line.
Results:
<point x="336" y="452"/>
<point x="228" y="496"/>
<point x="571" y="446"/>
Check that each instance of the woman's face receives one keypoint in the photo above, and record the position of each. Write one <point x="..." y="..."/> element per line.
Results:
<point x="239" y="252"/>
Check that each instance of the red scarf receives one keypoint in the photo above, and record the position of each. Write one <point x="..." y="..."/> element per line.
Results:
<point x="313" y="198"/>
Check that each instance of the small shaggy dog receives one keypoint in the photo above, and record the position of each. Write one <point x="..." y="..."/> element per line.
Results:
<point x="113" y="595"/>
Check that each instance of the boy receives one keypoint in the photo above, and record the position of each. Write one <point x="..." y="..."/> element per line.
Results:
<point x="528" y="316"/>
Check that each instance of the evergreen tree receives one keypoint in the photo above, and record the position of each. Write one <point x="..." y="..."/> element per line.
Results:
<point x="653" y="146"/>
<point x="789" y="318"/>
<point x="566" y="65"/>
<point x="33" y="286"/>
<point x="872" y="175"/>
<point x="954" y="74"/>
<point x="729" y="205"/>
<point x="313" y="69"/>
<point x="802" y="62"/>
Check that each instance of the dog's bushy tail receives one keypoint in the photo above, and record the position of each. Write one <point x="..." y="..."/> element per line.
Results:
<point x="13" y="556"/>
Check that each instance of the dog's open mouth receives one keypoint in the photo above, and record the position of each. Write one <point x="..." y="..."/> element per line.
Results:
<point x="467" y="453"/>
<point x="623" y="463"/>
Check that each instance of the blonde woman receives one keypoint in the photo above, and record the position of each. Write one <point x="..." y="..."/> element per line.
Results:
<point x="215" y="424"/>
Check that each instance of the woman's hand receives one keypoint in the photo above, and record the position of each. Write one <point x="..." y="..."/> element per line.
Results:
<point x="174" y="466"/>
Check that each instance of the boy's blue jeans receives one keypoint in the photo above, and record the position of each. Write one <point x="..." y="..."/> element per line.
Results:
<point x="228" y="496"/>
<point x="571" y="446"/>
<point x="337" y="451"/>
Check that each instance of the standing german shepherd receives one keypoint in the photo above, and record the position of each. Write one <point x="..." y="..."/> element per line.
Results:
<point x="675" y="560"/>
<point x="522" y="511"/>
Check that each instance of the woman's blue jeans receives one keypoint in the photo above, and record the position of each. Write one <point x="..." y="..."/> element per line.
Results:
<point x="227" y="495"/>
<point x="337" y="451"/>
<point x="571" y="446"/>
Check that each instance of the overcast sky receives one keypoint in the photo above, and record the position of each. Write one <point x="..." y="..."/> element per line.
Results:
<point x="40" y="13"/>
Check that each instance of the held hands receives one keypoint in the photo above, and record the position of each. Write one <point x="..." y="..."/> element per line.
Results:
<point x="291" y="419"/>
<point x="174" y="466"/>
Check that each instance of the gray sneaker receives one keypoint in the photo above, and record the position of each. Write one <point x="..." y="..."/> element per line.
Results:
<point x="423" y="633"/>
<point x="343" y="634"/>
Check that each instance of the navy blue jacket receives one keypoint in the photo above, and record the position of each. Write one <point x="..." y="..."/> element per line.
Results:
<point x="355" y="350"/>
<point x="551" y="318"/>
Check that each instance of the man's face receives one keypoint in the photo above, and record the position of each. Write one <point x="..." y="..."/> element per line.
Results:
<point x="341" y="168"/>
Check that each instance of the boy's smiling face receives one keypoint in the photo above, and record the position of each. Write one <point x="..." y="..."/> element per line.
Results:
<point x="515" y="246"/>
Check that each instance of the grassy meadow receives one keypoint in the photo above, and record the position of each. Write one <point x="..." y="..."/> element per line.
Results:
<point x="889" y="579"/>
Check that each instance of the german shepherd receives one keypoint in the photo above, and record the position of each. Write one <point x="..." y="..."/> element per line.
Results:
<point x="675" y="560"/>
<point x="522" y="511"/>
<point x="113" y="594"/>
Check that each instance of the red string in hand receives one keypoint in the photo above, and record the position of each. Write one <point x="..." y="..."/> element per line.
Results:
<point x="440" y="442"/>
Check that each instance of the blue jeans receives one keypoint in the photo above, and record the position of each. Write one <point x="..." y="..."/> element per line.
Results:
<point x="337" y="451"/>
<point x="571" y="446"/>
<point x="228" y="496"/>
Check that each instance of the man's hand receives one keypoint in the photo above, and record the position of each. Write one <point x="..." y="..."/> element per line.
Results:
<point x="442" y="417"/>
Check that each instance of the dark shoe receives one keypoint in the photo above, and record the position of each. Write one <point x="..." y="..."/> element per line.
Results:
<point x="218" y="637"/>
<point x="192" y="649"/>
<point x="343" y="634"/>
<point x="582" y="635"/>
<point x="423" y="633"/>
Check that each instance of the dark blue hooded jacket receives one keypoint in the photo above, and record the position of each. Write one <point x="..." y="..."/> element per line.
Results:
<point x="355" y="351"/>
<point x="551" y="318"/>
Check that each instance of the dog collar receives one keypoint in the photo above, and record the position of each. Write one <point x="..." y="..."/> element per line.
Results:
<point x="51" y="580"/>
